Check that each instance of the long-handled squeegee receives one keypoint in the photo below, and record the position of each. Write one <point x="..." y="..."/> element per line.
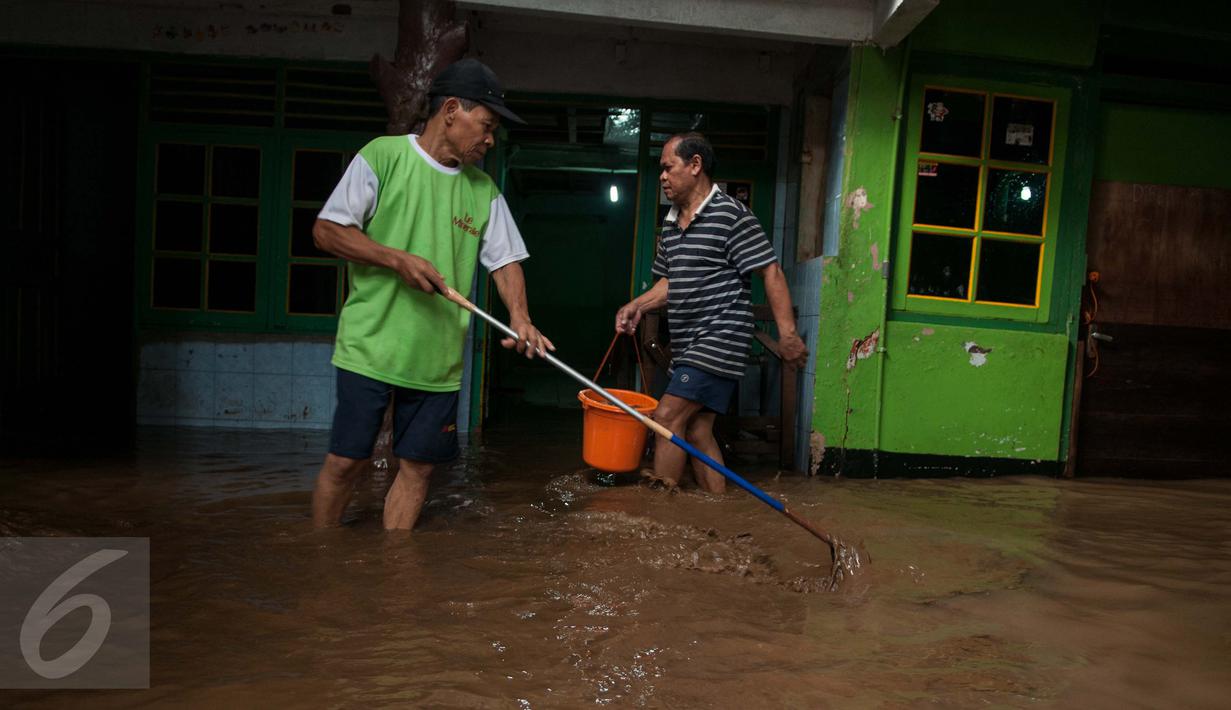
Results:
<point x="846" y="559"/>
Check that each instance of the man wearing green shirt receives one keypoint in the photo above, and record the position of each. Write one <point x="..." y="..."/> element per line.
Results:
<point x="413" y="214"/>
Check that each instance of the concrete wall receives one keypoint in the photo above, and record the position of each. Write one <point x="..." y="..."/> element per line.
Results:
<point x="565" y="56"/>
<point x="249" y="382"/>
<point x="594" y="58"/>
<point x="815" y="21"/>
<point x="286" y="28"/>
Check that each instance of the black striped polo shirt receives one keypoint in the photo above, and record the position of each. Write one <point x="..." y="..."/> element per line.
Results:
<point x="709" y="283"/>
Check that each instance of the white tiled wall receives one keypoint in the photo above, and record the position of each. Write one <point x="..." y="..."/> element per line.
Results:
<point x="248" y="383"/>
<point x="805" y="284"/>
<point x="805" y="280"/>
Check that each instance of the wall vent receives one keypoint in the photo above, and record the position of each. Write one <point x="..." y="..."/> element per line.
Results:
<point x="213" y="94"/>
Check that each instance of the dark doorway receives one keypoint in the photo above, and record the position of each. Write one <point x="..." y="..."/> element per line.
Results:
<point x="1156" y="372"/>
<point x="580" y="242"/>
<point x="68" y="189"/>
<point x="570" y="177"/>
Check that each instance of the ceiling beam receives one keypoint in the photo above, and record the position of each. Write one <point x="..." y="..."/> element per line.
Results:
<point x="809" y="21"/>
<point x="895" y="19"/>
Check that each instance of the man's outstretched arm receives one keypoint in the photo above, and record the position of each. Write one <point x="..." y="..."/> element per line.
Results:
<point x="629" y="314"/>
<point x="790" y="345"/>
<point x="511" y="284"/>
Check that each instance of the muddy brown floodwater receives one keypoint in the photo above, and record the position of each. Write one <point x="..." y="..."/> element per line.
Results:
<point x="527" y="585"/>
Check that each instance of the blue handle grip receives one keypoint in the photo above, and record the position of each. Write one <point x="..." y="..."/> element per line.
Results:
<point x="735" y="477"/>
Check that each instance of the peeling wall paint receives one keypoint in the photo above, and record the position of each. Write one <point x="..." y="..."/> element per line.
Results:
<point x="862" y="348"/>
<point x="816" y="447"/>
<point x="857" y="203"/>
<point x="973" y="392"/>
<point x="978" y="355"/>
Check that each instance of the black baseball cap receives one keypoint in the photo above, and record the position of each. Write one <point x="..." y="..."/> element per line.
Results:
<point x="474" y="80"/>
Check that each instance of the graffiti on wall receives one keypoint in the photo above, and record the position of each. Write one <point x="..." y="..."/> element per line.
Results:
<point x="212" y="31"/>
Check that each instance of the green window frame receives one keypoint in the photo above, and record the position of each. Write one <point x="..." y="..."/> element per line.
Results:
<point x="310" y="285"/>
<point x="178" y="256"/>
<point x="291" y="129"/>
<point x="979" y="215"/>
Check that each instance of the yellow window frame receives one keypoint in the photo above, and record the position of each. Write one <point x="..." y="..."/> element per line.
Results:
<point x="912" y="157"/>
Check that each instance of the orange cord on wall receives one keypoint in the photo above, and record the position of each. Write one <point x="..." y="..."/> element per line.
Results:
<point x="1087" y="317"/>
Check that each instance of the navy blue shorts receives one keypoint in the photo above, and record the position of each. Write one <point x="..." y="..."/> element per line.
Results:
<point x="424" y="423"/>
<point x="712" y="391"/>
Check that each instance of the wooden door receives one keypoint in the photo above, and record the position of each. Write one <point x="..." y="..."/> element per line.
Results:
<point x="1153" y="401"/>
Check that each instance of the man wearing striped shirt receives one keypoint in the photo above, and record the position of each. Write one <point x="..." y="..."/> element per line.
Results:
<point x="710" y="247"/>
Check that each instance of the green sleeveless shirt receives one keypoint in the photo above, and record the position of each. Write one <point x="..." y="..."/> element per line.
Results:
<point x="390" y="331"/>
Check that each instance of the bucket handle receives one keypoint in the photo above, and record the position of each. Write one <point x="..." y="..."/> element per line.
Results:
<point x="645" y="381"/>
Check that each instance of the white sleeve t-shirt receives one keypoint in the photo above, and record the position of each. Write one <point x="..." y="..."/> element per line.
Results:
<point x="353" y="203"/>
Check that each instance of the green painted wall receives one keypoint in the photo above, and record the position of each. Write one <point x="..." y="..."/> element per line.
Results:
<point x="853" y="291"/>
<point x="942" y="399"/>
<point x="1168" y="146"/>
<point x="917" y="394"/>
<point x="1053" y="32"/>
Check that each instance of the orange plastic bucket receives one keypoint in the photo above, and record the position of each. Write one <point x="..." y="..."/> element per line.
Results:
<point x="611" y="439"/>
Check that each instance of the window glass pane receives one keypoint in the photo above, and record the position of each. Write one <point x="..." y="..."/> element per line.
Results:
<point x="237" y="172"/>
<point x="1015" y="201"/>
<point x="939" y="265"/>
<point x="302" y="219"/>
<point x="177" y="226"/>
<point x="1021" y="130"/>
<point x="946" y="194"/>
<point x="1008" y="272"/>
<point x="177" y="283"/>
<point x="316" y="174"/>
<point x="232" y="286"/>
<point x="313" y="289"/>
<point x="181" y="169"/>
<point x="741" y="191"/>
<point x="952" y="123"/>
<point x="665" y="123"/>
<point x="623" y="127"/>
<point x="233" y="229"/>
